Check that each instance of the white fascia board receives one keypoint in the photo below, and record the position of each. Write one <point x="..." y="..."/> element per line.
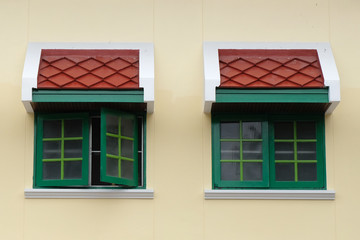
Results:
<point x="32" y="61"/>
<point x="90" y="193"/>
<point x="212" y="68"/>
<point x="270" y="194"/>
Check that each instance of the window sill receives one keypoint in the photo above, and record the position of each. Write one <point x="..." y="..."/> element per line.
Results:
<point x="270" y="194"/>
<point x="90" y="193"/>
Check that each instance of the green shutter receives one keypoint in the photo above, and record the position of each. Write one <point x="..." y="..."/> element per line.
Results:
<point x="119" y="146"/>
<point x="62" y="149"/>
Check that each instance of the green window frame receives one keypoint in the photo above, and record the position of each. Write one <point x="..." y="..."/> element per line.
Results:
<point x="59" y="176"/>
<point x="121" y="158"/>
<point x="42" y="140"/>
<point x="301" y="167"/>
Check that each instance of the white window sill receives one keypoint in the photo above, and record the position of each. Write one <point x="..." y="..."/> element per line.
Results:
<point x="270" y="194"/>
<point x="89" y="193"/>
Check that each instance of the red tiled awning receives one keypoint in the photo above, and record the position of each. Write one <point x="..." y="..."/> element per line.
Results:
<point x="88" y="69"/>
<point x="270" y="69"/>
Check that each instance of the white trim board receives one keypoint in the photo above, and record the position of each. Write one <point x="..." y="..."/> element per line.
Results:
<point x="271" y="194"/>
<point x="90" y="193"/>
<point x="212" y="68"/>
<point x="32" y="61"/>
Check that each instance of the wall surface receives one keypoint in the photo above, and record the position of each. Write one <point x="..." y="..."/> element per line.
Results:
<point x="178" y="141"/>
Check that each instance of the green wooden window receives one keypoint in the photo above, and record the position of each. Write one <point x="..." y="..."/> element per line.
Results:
<point x="62" y="149"/>
<point x="119" y="161"/>
<point x="113" y="139"/>
<point x="278" y="152"/>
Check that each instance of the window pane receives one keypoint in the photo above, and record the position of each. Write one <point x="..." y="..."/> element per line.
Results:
<point x="127" y="148"/>
<point x="306" y="130"/>
<point x="307" y="172"/>
<point x="127" y="127"/>
<point x="284" y="151"/>
<point x="73" y="128"/>
<point x="127" y="169"/>
<point x="284" y="172"/>
<point x="252" y="150"/>
<point x="229" y="130"/>
<point x="306" y="150"/>
<point x="251" y="130"/>
<point x="51" y="149"/>
<point x="52" y="128"/>
<point x="112" y="146"/>
<point x="72" y="169"/>
<point x="252" y="171"/>
<point x="73" y="149"/>
<point x="51" y="170"/>
<point x="112" y="124"/>
<point x="230" y="171"/>
<point x="112" y="167"/>
<point x="284" y="130"/>
<point x="230" y="150"/>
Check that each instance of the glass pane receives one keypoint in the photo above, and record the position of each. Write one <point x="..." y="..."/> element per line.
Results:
<point x="127" y="148"/>
<point x="73" y="149"/>
<point x="252" y="150"/>
<point x="252" y="171"/>
<point x="72" y="169"/>
<point x="284" y="172"/>
<point x="95" y="131"/>
<point x="230" y="171"/>
<point x="127" y="169"/>
<point x="51" y="170"/>
<point x="112" y="124"/>
<point x="306" y="130"/>
<point x="284" y="151"/>
<point x="51" y="149"/>
<point x="230" y="150"/>
<point x="73" y="128"/>
<point x="306" y="150"/>
<point x="112" y="167"/>
<point x="284" y="130"/>
<point x="112" y="146"/>
<point x="307" y="172"/>
<point x="251" y="130"/>
<point x="229" y="130"/>
<point x="127" y="127"/>
<point x="52" y="129"/>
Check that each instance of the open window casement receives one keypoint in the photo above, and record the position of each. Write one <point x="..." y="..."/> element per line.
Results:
<point x="119" y="148"/>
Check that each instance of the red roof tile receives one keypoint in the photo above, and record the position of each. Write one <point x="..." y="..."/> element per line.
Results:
<point x="270" y="69"/>
<point x="88" y="69"/>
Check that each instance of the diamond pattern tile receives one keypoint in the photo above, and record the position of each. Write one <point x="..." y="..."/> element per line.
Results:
<point x="270" y="69"/>
<point x="89" y="69"/>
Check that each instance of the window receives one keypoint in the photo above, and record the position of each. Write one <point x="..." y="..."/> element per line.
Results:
<point x="103" y="149"/>
<point x="268" y="151"/>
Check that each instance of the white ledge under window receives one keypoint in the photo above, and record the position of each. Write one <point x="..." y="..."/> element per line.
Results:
<point x="270" y="194"/>
<point x="90" y="193"/>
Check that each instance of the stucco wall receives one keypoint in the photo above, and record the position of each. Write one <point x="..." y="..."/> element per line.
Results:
<point x="178" y="143"/>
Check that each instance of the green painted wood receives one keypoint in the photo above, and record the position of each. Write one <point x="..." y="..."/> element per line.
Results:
<point x="103" y="146"/>
<point x="269" y="152"/>
<point x="126" y="96"/>
<point x="272" y="95"/>
<point x="320" y="183"/>
<point x="216" y="152"/>
<point x="39" y="181"/>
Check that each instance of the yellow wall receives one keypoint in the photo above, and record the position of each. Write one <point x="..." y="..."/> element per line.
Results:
<point x="179" y="150"/>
